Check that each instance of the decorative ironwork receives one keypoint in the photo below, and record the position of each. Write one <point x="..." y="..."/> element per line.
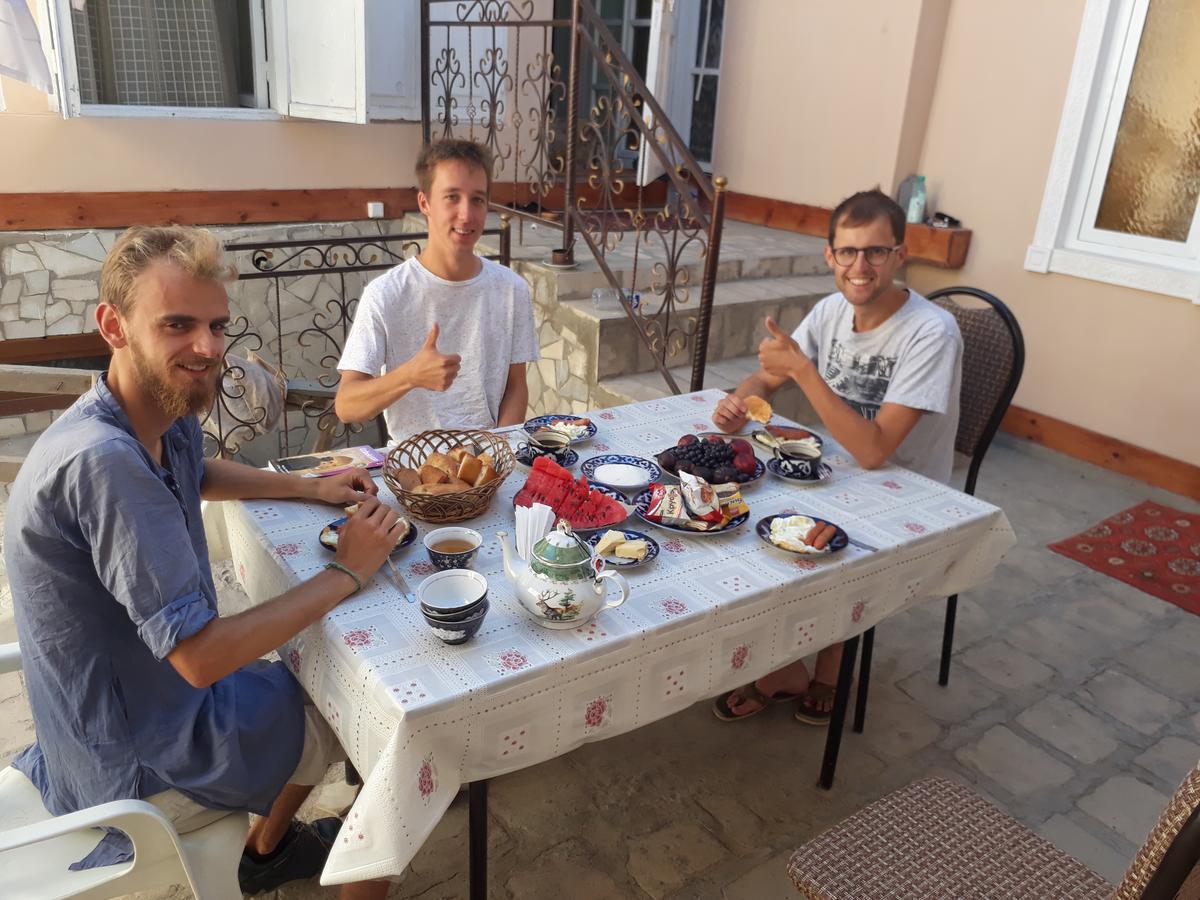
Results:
<point x="602" y="161"/>
<point x="232" y="420"/>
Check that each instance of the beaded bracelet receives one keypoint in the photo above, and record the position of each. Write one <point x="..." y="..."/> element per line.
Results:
<point x="358" y="585"/>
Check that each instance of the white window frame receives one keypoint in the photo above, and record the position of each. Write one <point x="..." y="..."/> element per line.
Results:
<point x="1063" y="242"/>
<point x="59" y="41"/>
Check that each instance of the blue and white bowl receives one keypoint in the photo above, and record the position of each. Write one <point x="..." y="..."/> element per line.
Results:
<point x="825" y="473"/>
<point x="621" y="472"/>
<point x="538" y="423"/>
<point x="565" y="458"/>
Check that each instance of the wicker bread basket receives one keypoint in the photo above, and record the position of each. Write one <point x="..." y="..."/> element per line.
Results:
<point x="457" y="507"/>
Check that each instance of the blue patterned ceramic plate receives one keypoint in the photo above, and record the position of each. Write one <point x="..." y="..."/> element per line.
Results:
<point x="826" y="473"/>
<point x="541" y="423"/>
<point x="620" y="562"/>
<point x="566" y="458"/>
<point x="329" y="535"/>
<point x="649" y="469"/>
<point x="838" y="542"/>
<point x="643" y="501"/>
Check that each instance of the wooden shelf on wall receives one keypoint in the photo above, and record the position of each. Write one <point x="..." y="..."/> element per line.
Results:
<point x="945" y="248"/>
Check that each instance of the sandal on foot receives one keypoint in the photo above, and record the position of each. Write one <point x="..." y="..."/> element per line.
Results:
<point x="809" y="711"/>
<point x="723" y="711"/>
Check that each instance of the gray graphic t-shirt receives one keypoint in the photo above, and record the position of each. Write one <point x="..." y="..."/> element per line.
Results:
<point x="913" y="359"/>
<point x="487" y="320"/>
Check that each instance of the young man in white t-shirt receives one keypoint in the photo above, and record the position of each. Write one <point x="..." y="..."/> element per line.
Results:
<point x="442" y="340"/>
<point x="882" y="367"/>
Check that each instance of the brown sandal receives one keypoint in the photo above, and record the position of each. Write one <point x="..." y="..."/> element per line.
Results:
<point x="723" y="711"/>
<point x="808" y="711"/>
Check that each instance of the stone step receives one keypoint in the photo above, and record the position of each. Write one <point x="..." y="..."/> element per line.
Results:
<point x="739" y="310"/>
<point x="725" y="374"/>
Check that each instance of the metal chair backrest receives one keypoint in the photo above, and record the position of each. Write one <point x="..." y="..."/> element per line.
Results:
<point x="1171" y="851"/>
<point x="993" y="360"/>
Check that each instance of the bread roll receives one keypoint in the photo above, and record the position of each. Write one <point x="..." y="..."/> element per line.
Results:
<point x="486" y="474"/>
<point x="469" y="468"/>
<point x="459" y="484"/>
<point x="759" y="409"/>
<point x="408" y="478"/>
<point x="443" y="462"/>
<point x="433" y="475"/>
<point x="436" y="489"/>
<point x="458" y="453"/>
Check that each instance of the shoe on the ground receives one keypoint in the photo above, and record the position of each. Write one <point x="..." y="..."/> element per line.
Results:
<point x="723" y="711"/>
<point x="809" y="711"/>
<point x="301" y="855"/>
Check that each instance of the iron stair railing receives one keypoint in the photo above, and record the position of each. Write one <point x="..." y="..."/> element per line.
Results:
<point x="581" y="176"/>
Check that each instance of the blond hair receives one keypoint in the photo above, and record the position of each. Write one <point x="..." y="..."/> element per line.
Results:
<point x="195" y="250"/>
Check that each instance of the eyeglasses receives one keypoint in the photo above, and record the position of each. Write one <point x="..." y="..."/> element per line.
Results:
<point x="876" y="256"/>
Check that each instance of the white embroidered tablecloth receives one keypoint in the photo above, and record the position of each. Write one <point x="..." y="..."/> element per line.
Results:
<point x="418" y="717"/>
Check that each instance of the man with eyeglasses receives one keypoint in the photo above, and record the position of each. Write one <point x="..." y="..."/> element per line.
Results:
<point x="882" y="367"/>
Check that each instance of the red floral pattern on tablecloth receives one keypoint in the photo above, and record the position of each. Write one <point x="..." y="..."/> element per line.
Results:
<point x="892" y="485"/>
<point x="696" y="398"/>
<point x="1152" y="547"/>
<point x="857" y="610"/>
<point x="288" y="549"/>
<point x="806" y="564"/>
<point x="915" y="527"/>
<point x="421" y="568"/>
<point x="426" y="778"/>
<point x="738" y="658"/>
<point x="602" y="447"/>
<point x="674" y="545"/>
<point x="510" y="660"/>
<point x="362" y="638"/>
<point x="293" y="661"/>
<point x="606" y="416"/>
<point x="701" y="426"/>
<point x="673" y="607"/>
<point x="596" y="712"/>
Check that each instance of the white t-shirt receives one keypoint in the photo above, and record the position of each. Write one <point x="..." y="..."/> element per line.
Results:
<point x="913" y="359"/>
<point x="487" y="320"/>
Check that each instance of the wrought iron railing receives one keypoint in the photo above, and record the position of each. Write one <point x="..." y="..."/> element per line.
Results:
<point x="491" y="73"/>
<point x="319" y="325"/>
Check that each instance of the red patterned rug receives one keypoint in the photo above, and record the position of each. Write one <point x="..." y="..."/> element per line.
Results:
<point x="1154" y="548"/>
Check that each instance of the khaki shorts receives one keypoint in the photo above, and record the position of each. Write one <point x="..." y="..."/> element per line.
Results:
<point x="321" y="750"/>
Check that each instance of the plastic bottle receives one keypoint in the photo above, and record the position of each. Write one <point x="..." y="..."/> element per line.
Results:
<point x="916" y="202"/>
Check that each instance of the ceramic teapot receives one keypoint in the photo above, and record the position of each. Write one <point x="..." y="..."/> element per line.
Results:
<point x="564" y="583"/>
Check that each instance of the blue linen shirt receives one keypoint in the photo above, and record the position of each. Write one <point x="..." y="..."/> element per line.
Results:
<point x="109" y="570"/>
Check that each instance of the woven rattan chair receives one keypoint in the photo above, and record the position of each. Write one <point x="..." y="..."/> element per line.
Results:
<point x="993" y="359"/>
<point x="937" y="839"/>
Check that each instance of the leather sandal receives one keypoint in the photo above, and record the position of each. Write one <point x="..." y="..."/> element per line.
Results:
<point x="723" y="711"/>
<point x="808" y="711"/>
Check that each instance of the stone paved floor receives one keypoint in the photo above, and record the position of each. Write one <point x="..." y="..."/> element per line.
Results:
<point x="1072" y="704"/>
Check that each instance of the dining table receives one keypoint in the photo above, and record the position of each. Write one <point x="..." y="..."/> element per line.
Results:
<point x="419" y="718"/>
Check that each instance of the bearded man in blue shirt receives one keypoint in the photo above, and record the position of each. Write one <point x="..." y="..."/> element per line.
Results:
<point x="139" y="690"/>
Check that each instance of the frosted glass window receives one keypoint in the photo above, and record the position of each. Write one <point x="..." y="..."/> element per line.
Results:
<point x="1153" y="181"/>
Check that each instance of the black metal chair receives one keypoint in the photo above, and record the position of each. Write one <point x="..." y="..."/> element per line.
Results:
<point x="993" y="360"/>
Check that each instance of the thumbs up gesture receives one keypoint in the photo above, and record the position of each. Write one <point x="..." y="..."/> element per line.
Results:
<point x="431" y="369"/>
<point x="779" y="355"/>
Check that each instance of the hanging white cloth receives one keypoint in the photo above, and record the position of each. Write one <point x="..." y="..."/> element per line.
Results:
<point x="21" y="55"/>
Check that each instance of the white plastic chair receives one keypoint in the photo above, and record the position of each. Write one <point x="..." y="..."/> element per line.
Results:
<point x="36" y="848"/>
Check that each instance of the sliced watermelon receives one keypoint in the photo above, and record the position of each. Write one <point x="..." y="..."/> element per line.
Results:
<point x="570" y="498"/>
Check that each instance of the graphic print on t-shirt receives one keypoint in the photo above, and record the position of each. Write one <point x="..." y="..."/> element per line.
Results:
<point x="862" y="381"/>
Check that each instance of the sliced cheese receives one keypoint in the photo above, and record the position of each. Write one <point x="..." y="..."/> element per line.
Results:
<point x="609" y="541"/>
<point x="633" y="550"/>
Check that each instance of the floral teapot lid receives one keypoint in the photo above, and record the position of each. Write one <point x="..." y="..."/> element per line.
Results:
<point x="563" y="548"/>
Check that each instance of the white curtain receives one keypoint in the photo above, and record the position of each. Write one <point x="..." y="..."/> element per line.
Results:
<point x="21" y="55"/>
